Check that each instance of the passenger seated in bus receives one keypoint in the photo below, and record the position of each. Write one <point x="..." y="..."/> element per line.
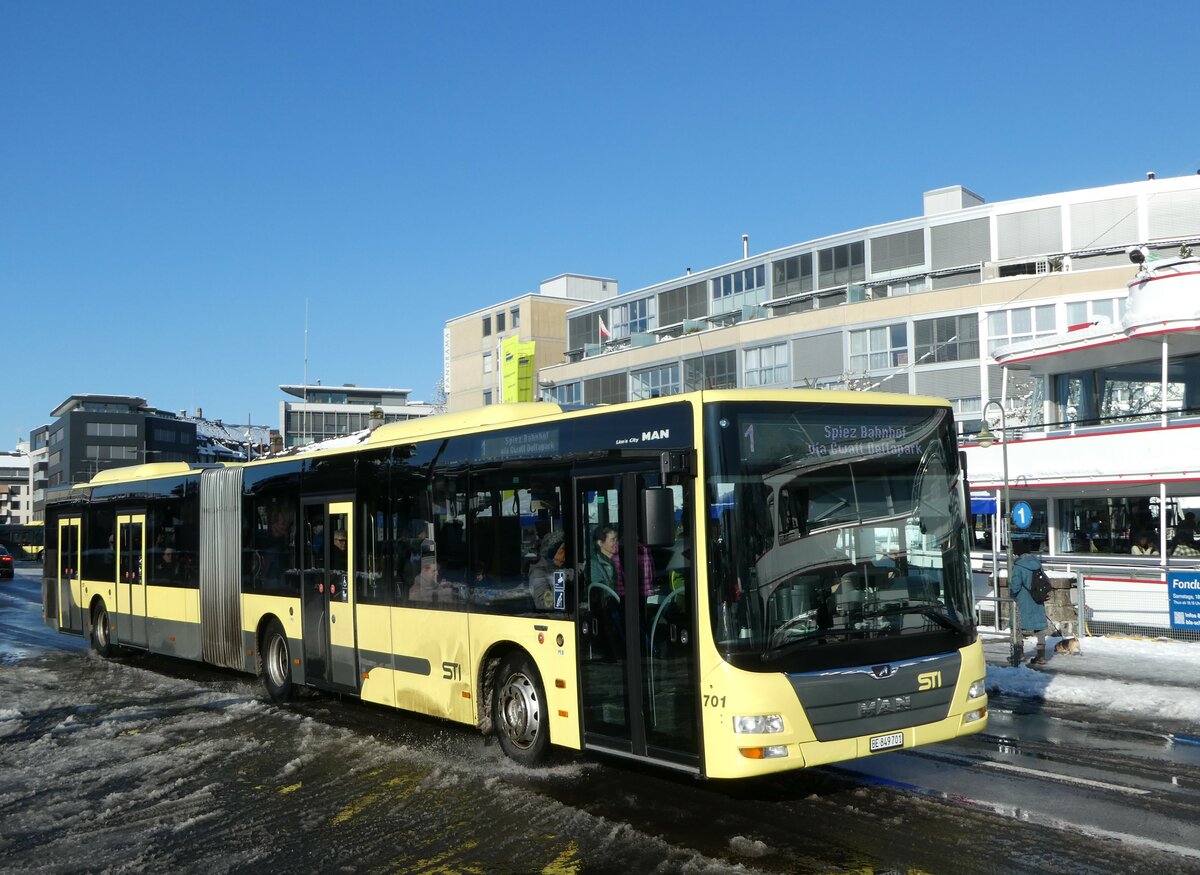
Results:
<point x="337" y="553"/>
<point x="1184" y="546"/>
<point x="1143" y="546"/>
<point x="168" y="568"/>
<point x="428" y="586"/>
<point x="552" y="557"/>
<point x="275" y="553"/>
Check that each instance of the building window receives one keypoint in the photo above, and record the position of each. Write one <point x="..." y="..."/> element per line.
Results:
<point x="877" y="348"/>
<point x="767" y="365"/>
<point x="635" y="317"/>
<point x="499" y="321"/>
<point x="568" y="393"/>
<point x="515" y="317"/>
<point x="585" y="329"/>
<point x="1021" y="324"/>
<point x="655" y="382"/>
<point x="791" y="276"/>
<point x="899" y="287"/>
<point x="896" y="252"/>
<point x="487" y="397"/>
<point x="967" y="408"/>
<point x="686" y="302"/>
<point x="735" y="290"/>
<point x="715" y="371"/>
<point x="487" y="362"/>
<point x="839" y="265"/>
<point x="1087" y="312"/>
<point x="947" y="339"/>
<point x="487" y="326"/>
<point x="610" y="389"/>
<point x="107" y="452"/>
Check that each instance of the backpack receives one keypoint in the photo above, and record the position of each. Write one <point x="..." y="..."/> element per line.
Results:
<point x="1040" y="586"/>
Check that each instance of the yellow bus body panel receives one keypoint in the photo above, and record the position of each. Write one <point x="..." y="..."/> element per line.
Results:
<point x="374" y="628"/>
<point x="181" y="604"/>
<point x="105" y="589"/>
<point x="286" y="609"/>
<point x="427" y="645"/>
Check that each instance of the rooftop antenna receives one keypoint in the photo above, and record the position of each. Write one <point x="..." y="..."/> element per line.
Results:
<point x="307" y="421"/>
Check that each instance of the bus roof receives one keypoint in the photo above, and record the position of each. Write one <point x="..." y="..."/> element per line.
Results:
<point x="140" y="472"/>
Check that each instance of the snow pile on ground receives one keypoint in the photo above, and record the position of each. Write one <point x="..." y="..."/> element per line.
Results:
<point x="1146" y="679"/>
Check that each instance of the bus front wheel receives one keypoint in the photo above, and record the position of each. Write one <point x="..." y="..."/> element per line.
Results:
<point x="519" y="711"/>
<point x="276" y="663"/>
<point x="101" y="637"/>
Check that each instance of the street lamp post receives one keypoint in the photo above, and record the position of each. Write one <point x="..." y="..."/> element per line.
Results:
<point x="985" y="440"/>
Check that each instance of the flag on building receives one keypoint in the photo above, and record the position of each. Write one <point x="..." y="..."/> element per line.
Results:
<point x="604" y="335"/>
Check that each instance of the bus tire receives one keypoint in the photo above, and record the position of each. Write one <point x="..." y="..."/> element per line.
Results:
<point x="101" y="634"/>
<point x="519" y="712"/>
<point x="276" y="663"/>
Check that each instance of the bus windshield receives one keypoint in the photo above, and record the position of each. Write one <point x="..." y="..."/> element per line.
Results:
<point x="834" y="528"/>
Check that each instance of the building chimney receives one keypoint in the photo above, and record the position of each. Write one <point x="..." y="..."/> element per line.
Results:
<point x="199" y="412"/>
<point x="375" y="418"/>
<point x="745" y="246"/>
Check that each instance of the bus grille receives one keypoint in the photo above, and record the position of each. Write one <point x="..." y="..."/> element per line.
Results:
<point x="868" y="699"/>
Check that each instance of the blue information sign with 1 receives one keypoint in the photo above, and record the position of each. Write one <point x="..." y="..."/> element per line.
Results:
<point x="1183" y="592"/>
<point x="1022" y="515"/>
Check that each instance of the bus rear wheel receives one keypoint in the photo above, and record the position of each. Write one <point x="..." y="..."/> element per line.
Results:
<point x="519" y="711"/>
<point x="276" y="663"/>
<point x="101" y="639"/>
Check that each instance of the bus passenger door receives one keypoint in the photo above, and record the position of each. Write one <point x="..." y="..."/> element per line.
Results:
<point x="636" y="622"/>
<point x="131" y="582"/>
<point x="330" y="654"/>
<point x="70" y="614"/>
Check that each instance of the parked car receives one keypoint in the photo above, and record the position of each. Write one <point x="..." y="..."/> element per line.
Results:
<point x="6" y="564"/>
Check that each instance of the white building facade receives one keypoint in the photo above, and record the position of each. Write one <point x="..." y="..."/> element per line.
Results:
<point x="325" y="412"/>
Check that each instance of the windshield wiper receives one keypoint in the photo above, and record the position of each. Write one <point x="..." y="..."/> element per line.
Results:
<point x="929" y="611"/>
<point x="817" y="637"/>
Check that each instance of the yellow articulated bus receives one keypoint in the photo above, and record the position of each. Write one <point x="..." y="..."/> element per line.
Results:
<point x="727" y="583"/>
<point x="23" y="540"/>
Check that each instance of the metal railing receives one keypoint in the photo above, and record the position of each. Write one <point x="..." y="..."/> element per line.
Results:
<point x="1095" y="598"/>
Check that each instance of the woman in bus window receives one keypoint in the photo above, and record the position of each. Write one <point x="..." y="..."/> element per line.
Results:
<point x="552" y="557"/>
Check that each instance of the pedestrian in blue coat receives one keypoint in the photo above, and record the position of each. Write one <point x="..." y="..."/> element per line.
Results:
<point x="1032" y="614"/>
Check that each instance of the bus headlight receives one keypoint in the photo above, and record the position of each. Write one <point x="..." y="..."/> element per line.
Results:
<point x="977" y="690"/>
<point x="758" y="725"/>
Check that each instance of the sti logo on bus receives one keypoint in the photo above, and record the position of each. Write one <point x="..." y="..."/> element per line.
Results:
<point x="929" y="680"/>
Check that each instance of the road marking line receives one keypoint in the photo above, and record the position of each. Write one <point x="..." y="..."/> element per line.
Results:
<point x="1070" y="779"/>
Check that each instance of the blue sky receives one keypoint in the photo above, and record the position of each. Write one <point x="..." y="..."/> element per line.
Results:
<point x="178" y="179"/>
